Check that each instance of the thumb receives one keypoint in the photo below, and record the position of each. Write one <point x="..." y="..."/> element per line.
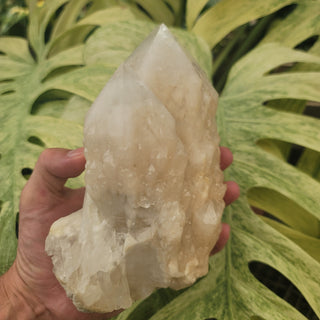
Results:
<point x="52" y="170"/>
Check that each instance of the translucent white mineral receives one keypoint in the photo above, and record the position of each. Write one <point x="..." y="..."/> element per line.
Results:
<point x="154" y="189"/>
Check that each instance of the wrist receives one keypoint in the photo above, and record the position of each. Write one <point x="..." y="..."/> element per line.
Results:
<point x="17" y="300"/>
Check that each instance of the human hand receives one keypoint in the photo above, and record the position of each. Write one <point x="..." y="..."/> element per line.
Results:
<point x="232" y="194"/>
<point x="44" y="200"/>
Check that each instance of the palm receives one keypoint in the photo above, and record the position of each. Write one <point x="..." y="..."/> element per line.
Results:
<point x="33" y="232"/>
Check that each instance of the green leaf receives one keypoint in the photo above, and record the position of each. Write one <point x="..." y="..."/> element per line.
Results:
<point x="40" y="15"/>
<point x="158" y="10"/>
<point x="227" y="15"/>
<point x="301" y="24"/>
<point x="309" y="162"/>
<point x="194" y="8"/>
<point x="75" y="110"/>
<point x="175" y="5"/>
<point x="8" y="230"/>
<point x="279" y="206"/>
<point x="79" y="29"/>
<point x="68" y="17"/>
<point x="256" y="64"/>
<point x="16" y="49"/>
<point x="309" y="244"/>
<point x="11" y="14"/>
<point x="102" y="4"/>
<point x="33" y="95"/>
<point x="112" y="14"/>
<point x="280" y="148"/>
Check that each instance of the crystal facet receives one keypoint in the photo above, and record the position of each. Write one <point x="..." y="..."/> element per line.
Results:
<point x="154" y="188"/>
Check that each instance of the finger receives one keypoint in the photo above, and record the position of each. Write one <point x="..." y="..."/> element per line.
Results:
<point x="223" y="239"/>
<point x="232" y="192"/>
<point x="55" y="166"/>
<point x="51" y="172"/>
<point x="226" y="158"/>
<point x="73" y="201"/>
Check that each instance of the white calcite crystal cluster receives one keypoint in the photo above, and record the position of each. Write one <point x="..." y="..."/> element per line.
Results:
<point x="154" y="188"/>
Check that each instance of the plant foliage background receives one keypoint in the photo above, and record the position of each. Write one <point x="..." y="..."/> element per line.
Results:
<point x="55" y="57"/>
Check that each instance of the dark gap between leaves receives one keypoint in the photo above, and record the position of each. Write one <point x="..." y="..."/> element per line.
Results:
<point x="6" y="80"/>
<point x="37" y="141"/>
<point x="17" y="225"/>
<point x="295" y="154"/>
<point x="50" y="95"/>
<point x="282" y="68"/>
<point x="312" y="109"/>
<point x="7" y="92"/>
<point x="140" y="7"/>
<point x="239" y="42"/>
<point x="169" y="6"/>
<point x="49" y="27"/>
<point x="59" y="71"/>
<point x="32" y="53"/>
<point x="83" y="11"/>
<point x="307" y="44"/>
<point x="282" y="287"/>
<point x="286" y="105"/>
<point x="263" y="213"/>
<point x="285" y="11"/>
<point x="26" y="173"/>
<point x="89" y="34"/>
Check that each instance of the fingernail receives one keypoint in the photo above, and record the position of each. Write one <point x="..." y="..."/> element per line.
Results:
<point x="75" y="153"/>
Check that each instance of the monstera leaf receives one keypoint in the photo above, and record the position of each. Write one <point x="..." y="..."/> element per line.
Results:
<point x="34" y="71"/>
<point x="48" y="81"/>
